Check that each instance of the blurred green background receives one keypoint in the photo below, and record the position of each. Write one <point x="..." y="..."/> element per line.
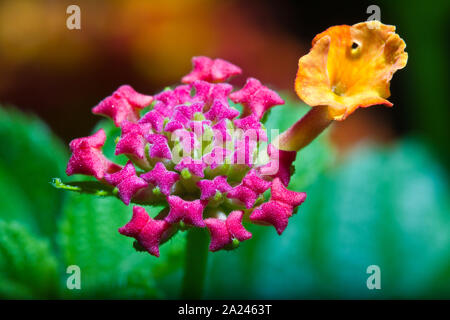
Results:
<point x="377" y="184"/>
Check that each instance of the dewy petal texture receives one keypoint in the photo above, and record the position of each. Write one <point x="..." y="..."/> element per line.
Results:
<point x="211" y="70"/>
<point x="87" y="157"/>
<point x="147" y="231"/>
<point x="127" y="182"/>
<point x="350" y="67"/>
<point x="190" y="212"/>
<point x="161" y="177"/>
<point x="256" y="98"/>
<point x="280" y="207"/>
<point x="224" y="231"/>
<point x="123" y="104"/>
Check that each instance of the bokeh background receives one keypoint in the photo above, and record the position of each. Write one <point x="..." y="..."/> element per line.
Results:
<point x="377" y="184"/>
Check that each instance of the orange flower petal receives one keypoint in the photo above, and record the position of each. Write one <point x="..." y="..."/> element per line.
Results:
<point x="350" y="67"/>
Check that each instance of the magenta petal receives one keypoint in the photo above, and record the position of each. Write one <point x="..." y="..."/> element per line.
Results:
<point x="147" y="231"/>
<point x="190" y="110"/>
<point x="169" y="99"/>
<point x="116" y="178"/>
<point x="129" y="187"/>
<point x="220" y="110"/>
<point x="208" y="92"/>
<point x="216" y="157"/>
<point x="220" y="132"/>
<point x="235" y="227"/>
<point x="122" y="105"/>
<point x="279" y="165"/>
<point x="245" y="195"/>
<point x="87" y="157"/>
<point x="244" y="151"/>
<point x="289" y="197"/>
<point x="137" y="222"/>
<point x="151" y="234"/>
<point x="136" y="99"/>
<point x="209" y="188"/>
<point x="220" y="237"/>
<point x="126" y="182"/>
<point x="273" y="212"/>
<point x="159" y="147"/>
<point x="252" y="128"/>
<point x="97" y="140"/>
<point x="155" y="118"/>
<point x="132" y="140"/>
<point x="161" y="177"/>
<point x="116" y="108"/>
<point x="253" y="181"/>
<point x="190" y="212"/>
<point x="195" y="167"/>
<point x="207" y="69"/>
<point x="221" y="70"/>
<point x="256" y="98"/>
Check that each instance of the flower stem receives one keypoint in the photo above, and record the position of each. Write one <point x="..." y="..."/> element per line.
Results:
<point x="195" y="263"/>
<point x="305" y="130"/>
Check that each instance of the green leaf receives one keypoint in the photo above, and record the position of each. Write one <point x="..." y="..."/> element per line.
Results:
<point x="29" y="157"/>
<point x="27" y="267"/>
<point x="110" y="266"/>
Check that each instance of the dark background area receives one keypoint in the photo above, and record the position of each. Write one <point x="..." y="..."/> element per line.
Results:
<point x="61" y="74"/>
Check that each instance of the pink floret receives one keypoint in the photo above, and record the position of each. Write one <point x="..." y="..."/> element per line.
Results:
<point x="195" y="166"/>
<point x="136" y="99"/>
<point x="253" y="181"/>
<point x="127" y="182"/>
<point x="161" y="177"/>
<point x="216" y="157"/>
<point x="223" y="231"/>
<point x="280" y="207"/>
<point x="235" y="227"/>
<point x="148" y="232"/>
<point x="256" y="98"/>
<point x="154" y="118"/>
<point x="210" y="70"/>
<point x="123" y="104"/>
<point x="279" y="165"/>
<point x="133" y="139"/>
<point x="87" y="157"/>
<point x="251" y="127"/>
<point x="208" y="188"/>
<point x="208" y="92"/>
<point x="244" y="194"/>
<point x="167" y="100"/>
<point x="190" y="212"/>
<point x="249" y="190"/>
<point x="220" y="110"/>
<point x="159" y="147"/>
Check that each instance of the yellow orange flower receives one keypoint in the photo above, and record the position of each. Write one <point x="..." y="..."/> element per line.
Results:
<point x="350" y="67"/>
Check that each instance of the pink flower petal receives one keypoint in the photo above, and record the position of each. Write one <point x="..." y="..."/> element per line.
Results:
<point x="190" y="212"/>
<point x="148" y="232"/>
<point x="159" y="147"/>
<point x="220" y="110"/>
<point x="256" y="98"/>
<point x="87" y="157"/>
<point x="235" y="227"/>
<point x="209" y="188"/>
<point x="210" y="70"/>
<point x="126" y="182"/>
<point x="161" y="177"/>
<point x="220" y="237"/>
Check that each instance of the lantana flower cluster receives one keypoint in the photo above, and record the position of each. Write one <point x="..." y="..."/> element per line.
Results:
<point x="192" y="150"/>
